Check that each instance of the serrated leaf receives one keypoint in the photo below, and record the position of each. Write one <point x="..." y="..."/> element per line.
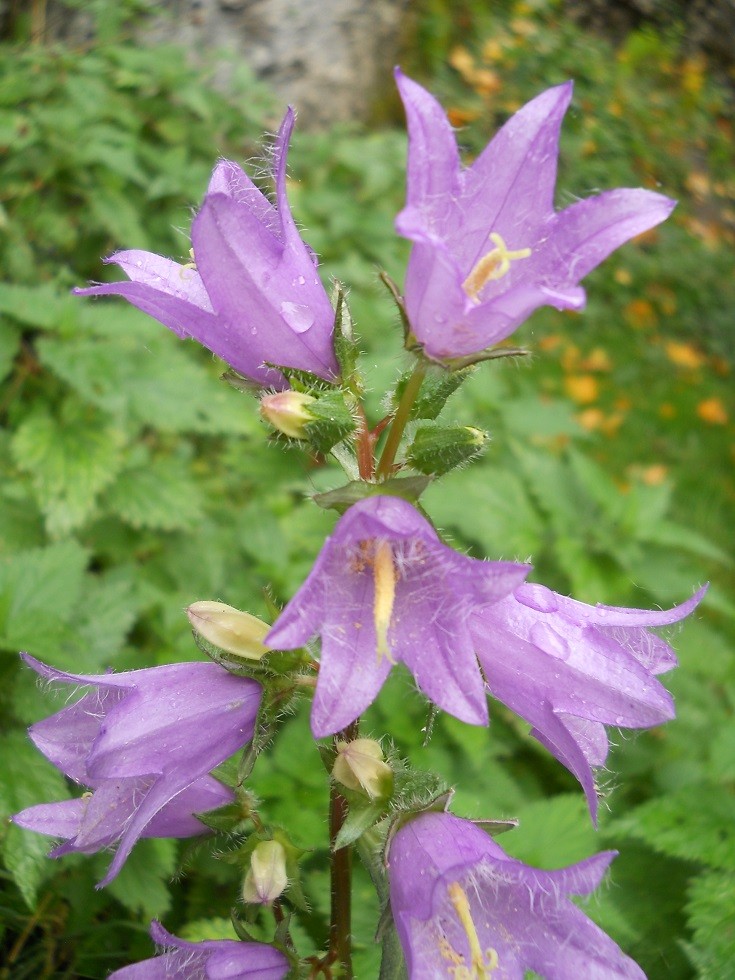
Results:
<point x="711" y="911"/>
<point x="43" y="305"/>
<point x="142" y="885"/>
<point x="553" y="832"/>
<point x="26" y="778"/>
<point x="138" y="371"/>
<point x="39" y="590"/>
<point x="71" y="459"/>
<point x="161" y="495"/>
<point x="694" y="824"/>
<point x="489" y="506"/>
<point x="100" y="623"/>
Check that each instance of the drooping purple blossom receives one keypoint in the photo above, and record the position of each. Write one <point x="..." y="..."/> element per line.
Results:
<point x="385" y="589"/>
<point x="213" y="959"/>
<point x="463" y="908"/>
<point x="253" y="294"/>
<point x="488" y="246"/>
<point x="569" y="669"/>
<point x="144" y="742"/>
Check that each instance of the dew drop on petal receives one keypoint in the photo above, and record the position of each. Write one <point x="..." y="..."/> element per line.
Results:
<point x="300" y="318"/>
<point x="549" y="641"/>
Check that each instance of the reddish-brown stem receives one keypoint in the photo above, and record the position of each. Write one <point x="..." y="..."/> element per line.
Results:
<point x="340" y="927"/>
<point x="364" y="443"/>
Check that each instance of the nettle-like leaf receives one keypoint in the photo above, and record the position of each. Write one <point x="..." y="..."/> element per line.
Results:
<point x="25" y="778"/>
<point x="711" y="911"/>
<point x="159" y="494"/>
<point x="149" y="382"/>
<point x="39" y="591"/>
<point x="142" y="885"/>
<point x="693" y="824"/>
<point x="70" y="458"/>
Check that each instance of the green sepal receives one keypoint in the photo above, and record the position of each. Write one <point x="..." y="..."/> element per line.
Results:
<point x="360" y="818"/>
<point x="409" y="341"/>
<point x="496" y="827"/>
<point x="341" y="499"/>
<point x="489" y="354"/>
<point x="437" y="387"/>
<point x="437" y="449"/>
<point x="332" y="421"/>
<point x="346" y="348"/>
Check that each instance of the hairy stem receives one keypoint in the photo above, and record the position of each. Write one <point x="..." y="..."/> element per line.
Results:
<point x="400" y="419"/>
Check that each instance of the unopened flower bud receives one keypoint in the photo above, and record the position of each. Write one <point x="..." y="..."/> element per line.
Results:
<point x="437" y="449"/>
<point x="359" y="765"/>
<point x="288" y="411"/>
<point x="228" y="629"/>
<point x="267" y="876"/>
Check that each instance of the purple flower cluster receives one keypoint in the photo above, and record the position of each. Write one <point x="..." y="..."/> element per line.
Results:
<point x="144" y="742"/>
<point x="488" y="249"/>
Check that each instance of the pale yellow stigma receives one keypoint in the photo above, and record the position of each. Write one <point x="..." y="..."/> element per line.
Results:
<point x="384" y="574"/>
<point x="493" y="265"/>
<point x="482" y="963"/>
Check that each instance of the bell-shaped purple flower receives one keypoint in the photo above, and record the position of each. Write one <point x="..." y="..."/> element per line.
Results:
<point x="570" y="669"/>
<point x="385" y="589"/>
<point x="489" y="248"/>
<point x="252" y="295"/>
<point x="144" y="742"/>
<point x="213" y="959"/>
<point x="463" y="908"/>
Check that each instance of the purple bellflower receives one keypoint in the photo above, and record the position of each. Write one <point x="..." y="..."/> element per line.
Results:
<point x="252" y="295"/>
<point x="570" y="669"/>
<point x="215" y="959"/>
<point x="384" y="589"/>
<point x="489" y="248"/>
<point x="464" y="909"/>
<point x="144" y="742"/>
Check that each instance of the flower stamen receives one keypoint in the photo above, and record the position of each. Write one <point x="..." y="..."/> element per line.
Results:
<point x="483" y="963"/>
<point x="493" y="265"/>
<point x="384" y="575"/>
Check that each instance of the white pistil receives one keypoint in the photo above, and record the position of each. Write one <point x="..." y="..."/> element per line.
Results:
<point x="493" y="265"/>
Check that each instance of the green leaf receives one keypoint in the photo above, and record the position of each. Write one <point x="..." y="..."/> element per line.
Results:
<point x="142" y="885"/>
<point x="39" y="590"/>
<point x="553" y="832"/>
<point x="43" y="305"/>
<point x="694" y="824"/>
<point x="711" y="911"/>
<point x="139" y="371"/>
<point x="202" y="930"/>
<point x="160" y="495"/>
<point x="489" y="506"/>
<point x="26" y="778"/>
<point x="70" y="459"/>
<point x="9" y="343"/>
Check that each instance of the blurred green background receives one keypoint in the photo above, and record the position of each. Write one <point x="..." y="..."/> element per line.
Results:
<point x="135" y="482"/>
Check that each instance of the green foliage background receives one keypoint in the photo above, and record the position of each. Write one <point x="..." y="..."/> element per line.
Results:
<point x="134" y="482"/>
